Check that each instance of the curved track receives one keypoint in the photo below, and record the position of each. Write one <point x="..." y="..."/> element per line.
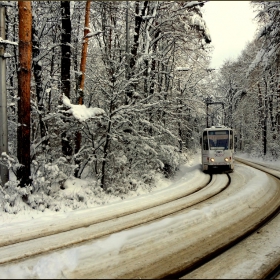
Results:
<point x="256" y="255"/>
<point x="170" y="233"/>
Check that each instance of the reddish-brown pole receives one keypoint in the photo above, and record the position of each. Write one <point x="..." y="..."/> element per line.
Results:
<point x="78" y="138"/>
<point x="84" y="54"/>
<point x="24" y="87"/>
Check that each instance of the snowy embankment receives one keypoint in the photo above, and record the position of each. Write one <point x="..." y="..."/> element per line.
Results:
<point x="273" y="164"/>
<point x="189" y="182"/>
<point x="76" y="187"/>
<point x="144" y="251"/>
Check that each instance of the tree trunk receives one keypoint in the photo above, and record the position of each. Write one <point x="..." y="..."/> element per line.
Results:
<point x="138" y="22"/>
<point x="265" y="118"/>
<point x="134" y="48"/>
<point x="84" y="55"/>
<point x="105" y="153"/>
<point x="24" y="80"/>
<point x="65" y="66"/>
<point x="78" y="136"/>
<point x="37" y="71"/>
<point x="262" y="120"/>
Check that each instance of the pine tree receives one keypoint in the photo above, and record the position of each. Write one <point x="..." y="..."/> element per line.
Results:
<point x="24" y="82"/>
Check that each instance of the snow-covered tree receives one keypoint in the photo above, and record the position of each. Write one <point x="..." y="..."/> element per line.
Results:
<point x="139" y="112"/>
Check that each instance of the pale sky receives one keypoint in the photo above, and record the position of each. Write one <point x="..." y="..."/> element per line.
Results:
<point x="231" y="27"/>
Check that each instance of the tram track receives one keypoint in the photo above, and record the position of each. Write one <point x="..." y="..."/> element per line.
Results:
<point x="151" y="255"/>
<point x="167" y="262"/>
<point x="256" y="255"/>
<point x="201" y="242"/>
<point x="13" y="248"/>
<point x="84" y="218"/>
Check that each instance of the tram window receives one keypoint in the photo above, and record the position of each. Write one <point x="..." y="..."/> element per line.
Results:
<point x="205" y="141"/>
<point x="219" y="139"/>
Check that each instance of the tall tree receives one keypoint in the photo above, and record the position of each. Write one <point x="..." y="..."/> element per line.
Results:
<point x="37" y="72"/>
<point x="81" y="83"/>
<point x="65" y="65"/>
<point x="84" y="54"/>
<point x="24" y="83"/>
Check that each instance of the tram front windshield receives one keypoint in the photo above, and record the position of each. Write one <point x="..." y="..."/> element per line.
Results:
<point x="218" y="140"/>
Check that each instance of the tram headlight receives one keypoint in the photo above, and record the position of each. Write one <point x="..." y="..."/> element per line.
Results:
<point x="226" y="159"/>
<point x="212" y="159"/>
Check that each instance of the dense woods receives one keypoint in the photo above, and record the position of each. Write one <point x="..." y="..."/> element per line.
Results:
<point x="118" y="92"/>
<point x="251" y="87"/>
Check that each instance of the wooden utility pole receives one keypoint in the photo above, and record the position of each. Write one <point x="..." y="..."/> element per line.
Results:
<point x="3" y="97"/>
<point x="24" y="87"/>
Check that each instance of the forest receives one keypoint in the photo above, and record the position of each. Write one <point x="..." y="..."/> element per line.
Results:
<point x="117" y="91"/>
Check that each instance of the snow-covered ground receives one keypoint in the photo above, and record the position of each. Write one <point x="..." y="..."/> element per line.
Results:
<point x="74" y="187"/>
<point x="48" y="267"/>
<point x="274" y="164"/>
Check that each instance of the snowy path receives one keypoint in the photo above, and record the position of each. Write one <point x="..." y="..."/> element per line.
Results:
<point x="114" y="223"/>
<point x="271" y="165"/>
<point x="266" y="167"/>
<point x="253" y="258"/>
<point x="162" y="247"/>
<point x="58" y="223"/>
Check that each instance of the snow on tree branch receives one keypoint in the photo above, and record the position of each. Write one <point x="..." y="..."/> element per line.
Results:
<point x="192" y="4"/>
<point x="81" y="112"/>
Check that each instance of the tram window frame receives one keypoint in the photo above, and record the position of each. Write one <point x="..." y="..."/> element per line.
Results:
<point x="205" y="141"/>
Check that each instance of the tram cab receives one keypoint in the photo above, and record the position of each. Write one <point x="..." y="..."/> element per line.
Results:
<point x="217" y="147"/>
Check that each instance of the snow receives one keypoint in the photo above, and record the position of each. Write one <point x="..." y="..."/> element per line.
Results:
<point x="73" y="187"/>
<point x="193" y="3"/>
<point x="266" y="161"/>
<point x="47" y="267"/>
<point x="2" y="41"/>
<point x="81" y="112"/>
<point x="51" y="266"/>
<point x="91" y="34"/>
<point x="182" y="69"/>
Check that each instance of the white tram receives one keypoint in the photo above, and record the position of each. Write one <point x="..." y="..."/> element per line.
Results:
<point x="217" y="149"/>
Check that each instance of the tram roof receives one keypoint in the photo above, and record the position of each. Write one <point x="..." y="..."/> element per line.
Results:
<point x="218" y="127"/>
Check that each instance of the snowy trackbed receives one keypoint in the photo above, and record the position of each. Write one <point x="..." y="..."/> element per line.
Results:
<point x="83" y="218"/>
<point x="169" y="233"/>
<point x="257" y="256"/>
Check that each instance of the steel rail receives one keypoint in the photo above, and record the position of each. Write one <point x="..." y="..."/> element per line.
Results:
<point x="255" y="255"/>
<point x="181" y="248"/>
<point x="29" y="248"/>
<point x="62" y="222"/>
